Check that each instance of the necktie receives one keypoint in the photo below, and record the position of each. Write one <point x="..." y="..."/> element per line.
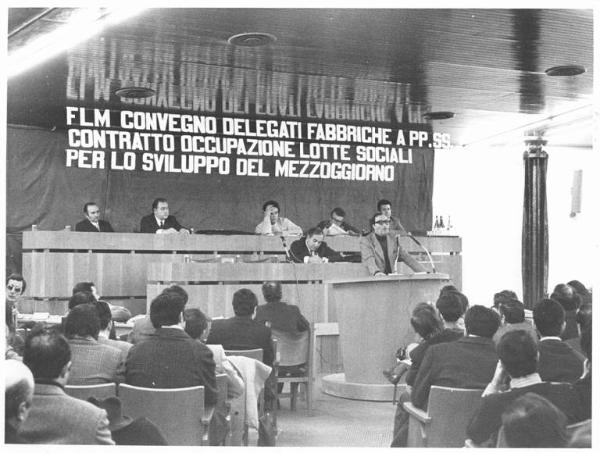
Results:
<point x="162" y="224"/>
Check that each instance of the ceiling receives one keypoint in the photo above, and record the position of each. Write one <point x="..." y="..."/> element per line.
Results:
<point x="375" y="65"/>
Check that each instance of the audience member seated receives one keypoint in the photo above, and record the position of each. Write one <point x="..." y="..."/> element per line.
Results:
<point x="579" y="288"/>
<point x="55" y="417"/>
<point x="503" y="296"/>
<point x="518" y="354"/>
<point x="119" y="314"/>
<point x="106" y="326"/>
<point x="385" y="207"/>
<point x="570" y="301"/>
<point x="583" y="386"/>
<point x="18" y="395"/>
<point x="273" y="224"/>
<point x="170" y="358"/>
<point x="312" y="249"/>
<point x="280" y="315"/>
<point x="583" y="318"/>
<point x="15" y="287"/>
<point x="531" y="421"/>
<point x="336" y="226"/>
<point x="125" y="430"/>
<point x="92" y="362"/>
<point x="241" y="331"/>
<point x="558" y="361"/>
<point x="464" y="302"/>
<point x="512" y="317"/>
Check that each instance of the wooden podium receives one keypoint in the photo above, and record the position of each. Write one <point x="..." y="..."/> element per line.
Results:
<point x="374" y="321"/>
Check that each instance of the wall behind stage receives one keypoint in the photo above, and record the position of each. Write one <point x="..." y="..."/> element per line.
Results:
<point x="41" y="190"/>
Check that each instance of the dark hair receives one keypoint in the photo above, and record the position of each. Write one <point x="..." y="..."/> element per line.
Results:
<point x="89" y="203"/>
<point x="580" y="289"/>
<point x="82" y="321"/>
<point x="158" y="200"/>
<point x="272" y="291"/>
<point x="338" y="211"/>
<point x="176" y="289"/>
<point x="104" y="313"/>
<point x="271" y="203"/>
<point x="481" y="321"/>
<point x="549" y="317"/>
<point x="166" y="308"/>
<point x="244" y="302"/>
<point x="80" y="298"/>
<point x="512" y="310"/>
<point x="503" y="296"/>
<point x="46" y="352"/>
<point x="586" y="342"/>
<point x="83" y="287"/>
<point x="566" y="296"/>
<point x="373" y="217"/>
<point x="18" y="278"/>
<point x="425" y="321"/>
<point x="196" y="322"/>
<point x="446" y="288"/>
<point x="583" y="317"/>
<point x="518" y="352"/>
<point x="531" y="421"/>
<point x="382" y="202"/>
<point x="14" y="395"/>
<point x="314" y="231"/>
<point x="464" y="301"/>
<point x="449" y="306"/>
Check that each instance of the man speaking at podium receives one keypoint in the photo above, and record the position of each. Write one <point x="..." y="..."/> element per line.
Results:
<point x="380" y="249"/>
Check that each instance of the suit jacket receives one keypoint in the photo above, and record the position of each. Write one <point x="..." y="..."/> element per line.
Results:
<point x="299" y="250"/>
<point x="242" y="332"/>
<point x="372" y="254"/>
<point x="583" y="387"/>
<point x="282" y="316"/>
<point x="122" y="346"/>
<point x="487" y="420"/>
<point x="526" y="326"/>
<point x="86" y="226"/>
<point x="171" y="359"/>
<point x="95" y="363"/>
<point x="57" y="418"/>
<point x="149" y="224"/>
<point x="467" y="363"/>
<point x="559" y="362"/>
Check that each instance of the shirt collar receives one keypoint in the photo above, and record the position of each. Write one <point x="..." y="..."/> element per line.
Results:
<point x="551" y="338"/>
<point x="174" y="326"/>
<point x="525" y="381"/>
<point x="158" y="221"/>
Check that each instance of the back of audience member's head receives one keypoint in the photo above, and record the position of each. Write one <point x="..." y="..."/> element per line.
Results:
<point x="86" y="287"/>
<point x="579" y="288"/>
<point x="513" y="311"/>
<point x="481" y="321"/>
<point x="425" y="321"/>
<point x="272" y="291"/>
<point x="582" y="436"/>
<point x="166" y="309"/>
<point x="18" y="390"/>
<point x="583" y="317"/>
<point x="549" y="318"/>
<point x="177" y="290"/>
<point x="82" y="321"/>
<point x="566" y="296"/>
<point x="46" y="353"/>
<point x="104" y="314"/>
<point x="449" y="306"/>
<point x="18" y="278"/>
<point x="586" y="342"/>
<point x="244" y="302"/>
<point x="196" y="322"/>
<point x="80" y="298"/>
<point x="531" y="421"/>
<point x="518" y="352"/>
<point x="464" y="300"/>
<point x="503" y="296"/>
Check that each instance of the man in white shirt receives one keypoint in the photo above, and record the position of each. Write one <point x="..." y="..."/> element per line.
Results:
<point x="273" y="224"/>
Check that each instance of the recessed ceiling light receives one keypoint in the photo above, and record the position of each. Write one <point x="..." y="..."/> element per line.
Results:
<point x="565" y="71"/>
<point x="135" y="92"/>
<point x="253" y="39"/>
<point x="438" y="115"/>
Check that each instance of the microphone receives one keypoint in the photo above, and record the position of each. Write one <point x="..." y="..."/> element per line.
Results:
<point x="285" y="247"/>
<point x="424" y="248"/>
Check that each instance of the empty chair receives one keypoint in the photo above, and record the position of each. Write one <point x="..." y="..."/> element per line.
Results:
<point x="179" y="413"/>
<point x="449" y="411"/>
<point x="99" y="391"/>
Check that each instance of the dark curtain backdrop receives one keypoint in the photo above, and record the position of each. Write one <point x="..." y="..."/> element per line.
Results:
<point x="41" y="190"/>
<point x="535" y="228"/>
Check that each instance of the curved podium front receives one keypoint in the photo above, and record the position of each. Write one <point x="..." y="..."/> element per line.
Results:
<point x="374" y="321"/>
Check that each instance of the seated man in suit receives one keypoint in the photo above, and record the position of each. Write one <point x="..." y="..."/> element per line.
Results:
<point x="312" y="249"/>
<point x="18" y="395"/>
<point x="336" y="225"/>
<point x="281" y="316"/>
<point x="92" y="362"/>
<point x="160" y="222"/>
<point x="106" y="325"/>
<point x="55" y="417"/>
<point x="380" y="249"/>
<point x="512" y="316"/>
<point x="170" y="358"/>
<point x="274" y="224"/>
<point x="518" y="354"/>
<point x="92" y="222"/>
<point x="558" y="361"/>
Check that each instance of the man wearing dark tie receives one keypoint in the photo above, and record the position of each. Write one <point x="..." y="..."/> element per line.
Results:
<point x="92" y="222"/>
<point x="160" y="222"/>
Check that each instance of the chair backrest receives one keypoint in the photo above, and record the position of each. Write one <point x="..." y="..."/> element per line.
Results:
<point x="292" y="349"/>
<point x="450" y="410"/>
<point x="99" y="391"/>
<point x="256" y="354"/>
<point x="177" y="412"/>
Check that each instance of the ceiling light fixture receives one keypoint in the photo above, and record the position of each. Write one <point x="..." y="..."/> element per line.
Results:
<point x="565" y="71"/>
<point x="252" y="39"/>
<point x="438" y="115"/>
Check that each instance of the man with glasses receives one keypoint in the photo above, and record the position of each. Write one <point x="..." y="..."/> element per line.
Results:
<point x="380" y="249"/>
<point x="336" y="226"/>
<point x="15" y="287"/>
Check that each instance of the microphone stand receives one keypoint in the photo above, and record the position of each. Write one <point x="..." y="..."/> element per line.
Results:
<point x="426" y="251"/>
<point x="287" y="250"/>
